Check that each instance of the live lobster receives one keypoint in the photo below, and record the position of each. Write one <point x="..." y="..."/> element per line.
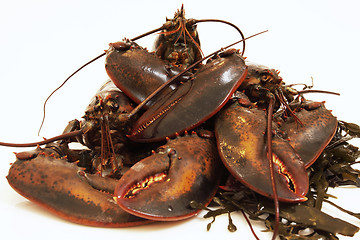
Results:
<point x="241" y="114"/>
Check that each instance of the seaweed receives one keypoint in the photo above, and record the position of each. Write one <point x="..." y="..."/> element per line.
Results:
<point x="333" y="168"/>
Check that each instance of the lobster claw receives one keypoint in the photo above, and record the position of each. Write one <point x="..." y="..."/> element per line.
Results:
<point x="317" y="129"/>
<point x="135" y="71"/>
<point x="161" y="186"/>
<point x="296" y="145"/>
<point x="66" y="190"/>
<point x="195" y="100"/>
<point x="241" y="141"/>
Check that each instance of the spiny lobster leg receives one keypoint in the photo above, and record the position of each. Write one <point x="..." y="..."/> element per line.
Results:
<point x="240" y="133"/>
<point x="66" y="190"/>
<point x="161" y="186"/>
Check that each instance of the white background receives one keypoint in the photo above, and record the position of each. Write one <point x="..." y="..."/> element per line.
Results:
<point x="42" y="42"/>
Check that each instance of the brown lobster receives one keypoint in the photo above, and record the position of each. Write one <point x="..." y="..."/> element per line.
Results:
<point x="241" y="115"/>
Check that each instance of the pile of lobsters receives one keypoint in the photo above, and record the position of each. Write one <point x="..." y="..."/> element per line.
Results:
<point x="173" y="131"/>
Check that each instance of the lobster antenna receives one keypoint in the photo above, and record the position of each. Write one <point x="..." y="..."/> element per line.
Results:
<point x="271" y="165"/>
<point x="138" y="107"/>
<point x="46" y="141"/>
<point x="91" y="61"/>
<point x="228" y="23"/>
<point x="317" y="91"/>
<point x="47" y="99"/>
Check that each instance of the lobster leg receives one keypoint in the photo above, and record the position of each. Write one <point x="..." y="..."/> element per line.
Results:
<point x="64" y="189"/>
<point x="161" y="186"/>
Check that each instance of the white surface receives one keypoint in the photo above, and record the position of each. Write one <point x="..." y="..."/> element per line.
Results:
<point x="42" y="42"/>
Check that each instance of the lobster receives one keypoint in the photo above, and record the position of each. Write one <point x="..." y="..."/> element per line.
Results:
<point x="227" y="95"/>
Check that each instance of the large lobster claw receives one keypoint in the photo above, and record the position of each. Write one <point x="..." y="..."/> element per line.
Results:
<point x="161" y="186"/>
<point x="135" y="71"/>
<point x="241" y="141"/>
<point x="192" y="102"/>
<point x="65" y="190"/>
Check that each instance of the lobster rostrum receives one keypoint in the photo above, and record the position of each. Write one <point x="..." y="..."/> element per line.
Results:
<point x="241" y="114"/>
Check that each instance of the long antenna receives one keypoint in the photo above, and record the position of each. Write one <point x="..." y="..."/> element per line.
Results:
<point x="47" y="99"/>
<point x="91" y="61"/>
<point x="228" y="23"/>
<point x="46" y="141"/>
